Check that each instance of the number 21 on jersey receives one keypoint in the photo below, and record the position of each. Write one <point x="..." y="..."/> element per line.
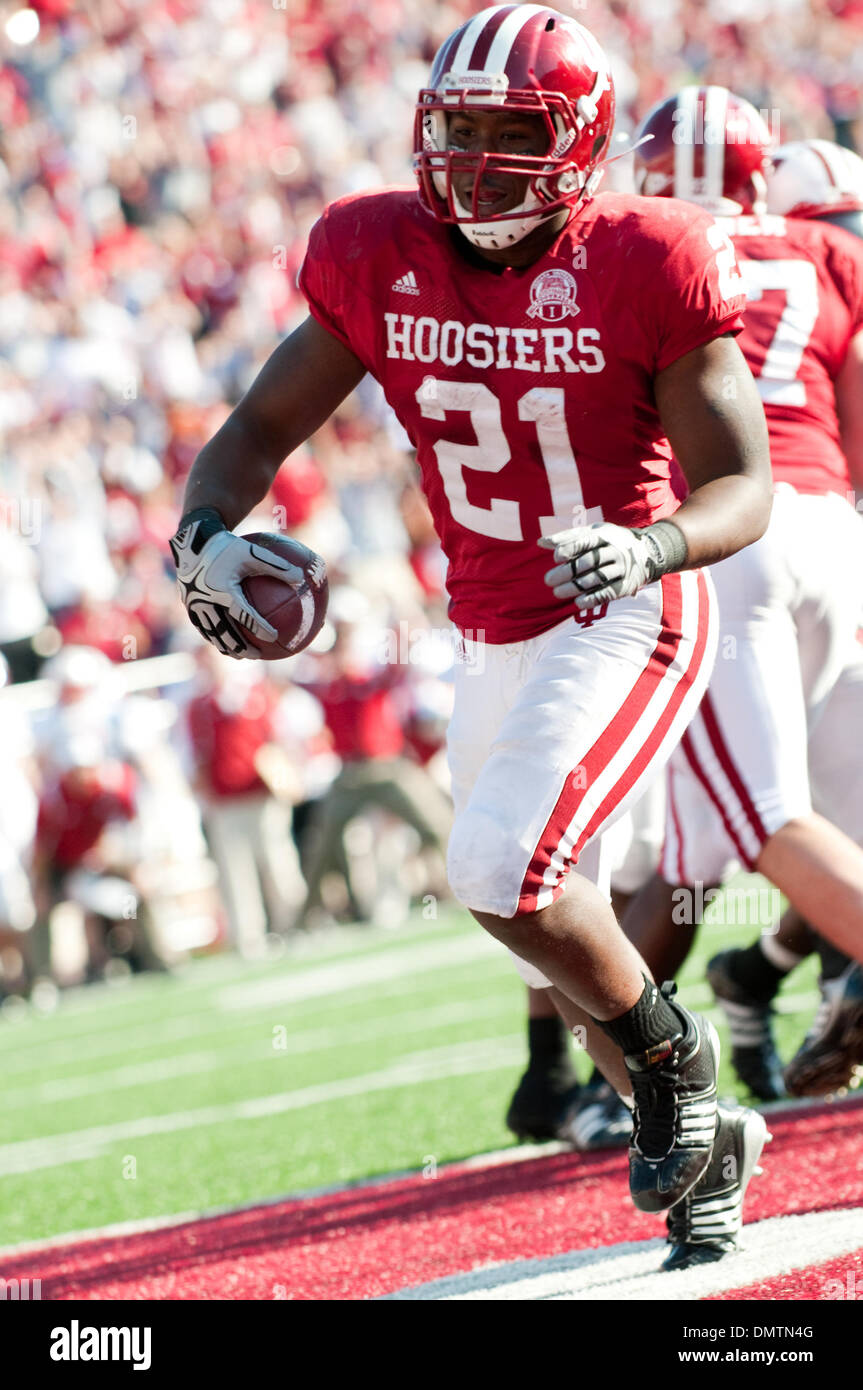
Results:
<point x="544" y="407"/>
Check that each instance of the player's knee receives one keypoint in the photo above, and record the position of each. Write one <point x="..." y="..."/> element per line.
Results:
<point x="482" y="864"/>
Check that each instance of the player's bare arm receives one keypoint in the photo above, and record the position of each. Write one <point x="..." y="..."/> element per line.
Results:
<point x="849" y="404"/>
<point x="297" y="389"/>
<point x="712" y="413"/>
<point x="714" y="420"/>
<point x="300" y="386"/>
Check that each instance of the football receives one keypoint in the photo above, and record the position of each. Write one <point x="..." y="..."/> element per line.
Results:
<point x="296" y="614"/>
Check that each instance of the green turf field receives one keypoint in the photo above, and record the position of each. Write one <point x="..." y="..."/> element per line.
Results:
<point x="360" y="1052"/>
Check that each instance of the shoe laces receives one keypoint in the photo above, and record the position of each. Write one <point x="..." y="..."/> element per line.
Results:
<point x="655" y="1096"/>
<point x="654" y="1093"/>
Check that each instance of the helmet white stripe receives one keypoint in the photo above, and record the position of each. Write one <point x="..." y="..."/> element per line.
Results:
<point x="684" y="142"/>
<point x="831" y="157"/>
<point x="501" y="44"/>
<point x="715" y="116"/>
<point x="461" y="57"/>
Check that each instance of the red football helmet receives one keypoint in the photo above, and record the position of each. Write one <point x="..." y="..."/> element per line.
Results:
<point x="526" y="59"/>
<point x="816" y="178"/>
<point x="709" y="147"/>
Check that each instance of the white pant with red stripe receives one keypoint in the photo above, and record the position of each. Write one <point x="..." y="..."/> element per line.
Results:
<point x="551" y="739"/>
<point x="788" y="609"/>
<point x="634" y="843"/>
<point x="836" y="750"/>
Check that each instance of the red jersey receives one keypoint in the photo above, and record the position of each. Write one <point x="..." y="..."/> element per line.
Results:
<point x="75" y="811"/>
<point x="227" y="738"/>
<point x="362" y="718"/>
<point x="804" y="286"/>
<point x="527" y="393"/>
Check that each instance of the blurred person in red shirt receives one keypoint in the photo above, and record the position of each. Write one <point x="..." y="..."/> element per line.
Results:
<point x="360" y="699"/>
<point x="80" y="800"/>
<point x="107" y="627"/>
<point x="232" y="744"/>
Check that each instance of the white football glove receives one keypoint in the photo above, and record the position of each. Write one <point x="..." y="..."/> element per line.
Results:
<point x="602" y="562"/>
<point x="211" y="564"/>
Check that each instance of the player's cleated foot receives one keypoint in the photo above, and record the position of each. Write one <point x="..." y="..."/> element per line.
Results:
<point x="543" y="1101"/>
<point x="674" y="1089"/>
<point x="705" y="1226"/>
<point x="832" y="1052"/>
<point x="750" y="1023"/>
<point x="600" y="1120"/>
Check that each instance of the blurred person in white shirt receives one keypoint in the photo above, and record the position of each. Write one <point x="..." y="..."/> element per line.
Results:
<point x="18" y="811"/>
<point x="23" y="614"/>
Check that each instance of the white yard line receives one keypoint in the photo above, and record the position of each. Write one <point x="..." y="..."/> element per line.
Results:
<point x="40" y="1055"/>
<point x="465" y="1059"/>
<point x="96" y="1006"/>
<point x="341" y="1038"/>
<point x="345" y="975"/>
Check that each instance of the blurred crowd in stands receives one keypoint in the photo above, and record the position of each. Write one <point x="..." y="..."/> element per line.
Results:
<point x="161" y="163"/>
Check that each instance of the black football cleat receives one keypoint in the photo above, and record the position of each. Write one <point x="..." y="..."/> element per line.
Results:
<point x="831" y="1055"/>
<point x="705" y="1226"/>
<point x="600" y="1120"/>
<point x="543" y="1101"/>
<point x="674" y="1089"/>
<point x="750" y="1023"/>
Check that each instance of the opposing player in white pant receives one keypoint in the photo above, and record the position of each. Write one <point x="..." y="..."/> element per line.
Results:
<point x="545" y="350"/>
<point x="739" y="785"/>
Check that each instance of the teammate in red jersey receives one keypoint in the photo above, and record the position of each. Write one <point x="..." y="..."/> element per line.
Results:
<point x="541" y="348"/>
<point x="765" y="754"/>
<point x="814" y="179"/>
<point x="801" y="341"/>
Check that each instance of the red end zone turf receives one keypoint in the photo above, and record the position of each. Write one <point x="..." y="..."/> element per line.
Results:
<point x="473" y="1227"/>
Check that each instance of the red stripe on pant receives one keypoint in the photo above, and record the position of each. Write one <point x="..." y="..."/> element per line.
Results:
<point x="615" y="733"/>
<point x="729" y="767"/>
<point x="653" y="741"/>
<point x="692" y="758"/>
<point x="672" y="806"/>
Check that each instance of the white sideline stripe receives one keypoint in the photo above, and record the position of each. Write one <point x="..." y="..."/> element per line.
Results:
<point x="463" y="1059"/>
<point x="347" y="975"/>
<point x="629" y="1272"/>
<point x="492" y="1158"/>
<point x="314" y="1040"/>
<point x="495" y="1158"/>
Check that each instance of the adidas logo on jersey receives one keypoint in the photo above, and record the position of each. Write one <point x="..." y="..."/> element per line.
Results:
<point x="406" y="284"/>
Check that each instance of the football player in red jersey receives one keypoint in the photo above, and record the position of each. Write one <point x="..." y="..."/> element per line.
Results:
<point x="544" y="350"/>
<point x="767" y="772"/>
<point x="812" y="179"/>
<point x="815" y="180"/>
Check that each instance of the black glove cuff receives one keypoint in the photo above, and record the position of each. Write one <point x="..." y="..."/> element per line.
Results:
<point x="211" y="522"/>
<point x="667" y="546"/>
